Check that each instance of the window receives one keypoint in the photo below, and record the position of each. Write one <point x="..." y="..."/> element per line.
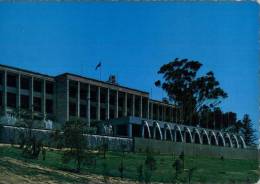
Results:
<point x="93" y="93"/>
<point x="11" y="100"/>
<point x="25" y="83"/>
<point x="37" y="86"/>
<point x="1" y="98"/>
<point x="83" y="111"/>
<point x="24" y="102"/>
<point x="37" y="104"/>
<point x="49" y="87"/>
<point x="93" y="112"/>
<point x="49" y="106"/>
<point x="1" y="78"/>
<point x="72" y="109"/>
<point x="11" y="80"/>
<point x="73" y="91"/>
<point x="83" y="94"/>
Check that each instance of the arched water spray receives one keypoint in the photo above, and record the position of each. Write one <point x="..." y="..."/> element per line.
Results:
<point x="157" y="126"/>
<point x="146" y="125"/>
<point x="187" y="130"/>
<point x="235" y="139"/>
<point x="167" y="128"/>
<point x="211" y="133"/>
<point x="204" y="132"/>
<point x="196" y="132"/>
<point x="177" y="128"/>
<point x="242" y="140"/>
<point x="219" y="134"/>
<point x="226" y="135"/>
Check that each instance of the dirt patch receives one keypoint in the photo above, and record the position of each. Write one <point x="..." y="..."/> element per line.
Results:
<point x="14" y="171"/>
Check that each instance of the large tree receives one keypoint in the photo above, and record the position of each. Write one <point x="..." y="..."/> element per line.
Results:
<point x="190" y="93"/>
<point x="248" y="131"/>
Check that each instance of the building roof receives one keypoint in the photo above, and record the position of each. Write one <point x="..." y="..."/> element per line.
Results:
<point x="26" y="71"/>
<point x="103" y="82"/>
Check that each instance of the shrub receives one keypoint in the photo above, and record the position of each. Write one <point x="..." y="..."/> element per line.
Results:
<point x="75" y="142"/>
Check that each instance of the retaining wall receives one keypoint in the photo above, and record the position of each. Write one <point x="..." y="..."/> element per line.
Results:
<point x="10" y="134"/>
<point x="140" y="145"/>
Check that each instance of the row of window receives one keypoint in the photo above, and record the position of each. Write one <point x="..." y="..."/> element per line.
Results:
<point x="25" y="83"/>
<point x="25" y="102"/>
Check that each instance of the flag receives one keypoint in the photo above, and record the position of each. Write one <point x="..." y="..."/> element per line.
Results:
<point x="98" y="65"/>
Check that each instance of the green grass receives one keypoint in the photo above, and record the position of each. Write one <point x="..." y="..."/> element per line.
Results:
<point x="208" y="170"/>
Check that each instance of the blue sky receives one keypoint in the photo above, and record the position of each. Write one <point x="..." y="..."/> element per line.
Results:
<point x="134" y="39"/>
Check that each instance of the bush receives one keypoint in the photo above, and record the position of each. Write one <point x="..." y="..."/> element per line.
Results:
<point x="75" y="142"/>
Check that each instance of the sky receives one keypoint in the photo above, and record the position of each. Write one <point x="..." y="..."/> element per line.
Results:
<point x="132" y="41"/>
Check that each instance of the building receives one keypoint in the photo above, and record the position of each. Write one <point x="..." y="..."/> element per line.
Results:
<point x="131" y="112"/>
<point x="68" y="96"/>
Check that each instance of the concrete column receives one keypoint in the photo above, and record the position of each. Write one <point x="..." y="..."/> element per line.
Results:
<point x="88" y="105"/>
<point x="133" y="105"/>
<point x="78" y="100"/>
<point x="125" y="105"/>
<point x="130" y="130"/>
<point x="98" y="104"/>
<point x="31" y="95"/>
<point x="151" y="117"/>
<point x="141" y="107"/>
<point x="108" y="95"/>
<point x="116" y="104"/>
<point x="4" y="92"/>
<point x="44" y="98"/>
<point x="148" y="108"/>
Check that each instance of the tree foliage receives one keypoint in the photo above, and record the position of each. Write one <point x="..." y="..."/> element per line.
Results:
<point x="189" y="92"/>
<point x="248" y="131"/>
<point x="74" y="142"/>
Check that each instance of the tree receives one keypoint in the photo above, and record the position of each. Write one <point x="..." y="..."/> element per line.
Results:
<point x="28" y="140"/>
<point x="75" y="142"/>
<point x="248" y="131"/>
<point x="189" y="93"/>
<point x="150" y="166"/>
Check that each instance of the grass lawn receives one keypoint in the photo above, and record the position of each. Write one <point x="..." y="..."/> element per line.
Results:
<point x="208" y="170"/>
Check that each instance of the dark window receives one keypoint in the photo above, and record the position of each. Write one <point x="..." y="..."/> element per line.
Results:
<point x="83" y="94"/>
<point x="49" y="87"/>
<point x="37" y="104"/>
<point x="102" y="113"/>
<point x="121" y="130"/>
<point x="73" y="91"/>
<point x="37" y="86"/>
<point x="111" y="114"/>
<point x="1" y="78"/>
<point x="25" y="83"/>
<point x="93" y="112"/>
<point x="11" y="100"/>
<point x="93" y="94"/>
<point x="49" y="106"/>
<point x="1" y="98"/>
<point x="103" y="95"/>
<point x="24" y="102"/>
<point x="11" y="80"/>
<point x="72" y="109"/>
<point x="83" y="111"/>
<point x="112" y="97"/>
